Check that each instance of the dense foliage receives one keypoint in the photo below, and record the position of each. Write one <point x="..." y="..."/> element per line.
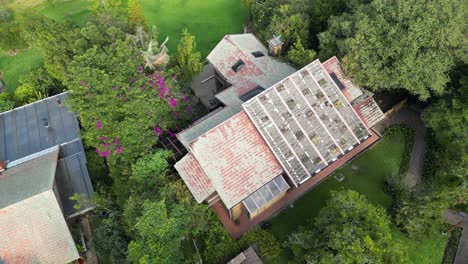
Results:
<point x="446" y="174"/>
<point x="348" y="230"/>
<point x="398" y="44"/>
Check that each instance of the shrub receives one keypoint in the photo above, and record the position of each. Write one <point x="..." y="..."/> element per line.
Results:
<point x="26" y="93"/>
<point x="395" y="184"/>
<point x="268" y="245"/>
<point x="300" y="56"/>
<point x="5" y="102"/>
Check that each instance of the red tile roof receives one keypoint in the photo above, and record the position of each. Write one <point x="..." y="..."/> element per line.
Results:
<point x="194" y="177"/>
<point x="362" y="101"/>
<point x="34" y="231"/>
<point x="235" y="158"/>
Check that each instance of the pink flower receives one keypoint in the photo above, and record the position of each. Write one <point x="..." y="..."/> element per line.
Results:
<point x="184" y="98"/>
<point x="83" y="83"/>
<point x="142" y="87"/>
<point x="104" y="144"/>
<point x="140" y="68"/>
<point x="151" y="83"/>
<point x="115" y="88"/>
<point x="157" y="130"/>
<point x="103" y="138"/>
<point x="119" y="150"/>
<point x="173" y="103"/>
<point x="105" y="153"/>
<point x="99" y="124"/>
<point x="89" y="94"/>
<point x="116" y="141"/>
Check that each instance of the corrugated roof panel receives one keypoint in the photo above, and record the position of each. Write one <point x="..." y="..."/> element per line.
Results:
<point x="33" y="130"/>
<point x="10" y="137"/>
<point x="21" y="132"/>
<point x="24" y="129"/>
<point x="2" y="139"/>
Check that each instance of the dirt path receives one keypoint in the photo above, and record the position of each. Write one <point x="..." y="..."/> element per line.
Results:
<point x="411" y="117"/>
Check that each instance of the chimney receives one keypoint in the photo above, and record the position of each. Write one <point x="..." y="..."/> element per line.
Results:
<point x="275" y="45"/>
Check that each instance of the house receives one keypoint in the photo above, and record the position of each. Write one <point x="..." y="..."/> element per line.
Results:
<point x="248" y="256"/>
<point x="42" y="164"/>
<point x="275" y="129"/>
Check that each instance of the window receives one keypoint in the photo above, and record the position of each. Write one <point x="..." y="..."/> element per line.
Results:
<point x="258" y="54"/>
<point x="239" y="64"/>
<point x="337" y="81"/>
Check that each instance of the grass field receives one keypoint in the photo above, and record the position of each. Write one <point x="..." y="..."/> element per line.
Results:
<point x="366" y="175"/>
<point x="208" y="20"/>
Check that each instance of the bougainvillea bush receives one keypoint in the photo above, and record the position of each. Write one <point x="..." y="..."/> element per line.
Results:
<point x="123" y="107"/>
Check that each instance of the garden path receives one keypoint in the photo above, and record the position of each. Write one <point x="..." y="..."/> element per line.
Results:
<point x="411" y="117"/>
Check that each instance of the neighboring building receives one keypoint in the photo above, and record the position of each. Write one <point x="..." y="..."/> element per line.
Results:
<point x="276" y="128"/>
<point x="42" y="164"/>
<point x="248" y="256"/>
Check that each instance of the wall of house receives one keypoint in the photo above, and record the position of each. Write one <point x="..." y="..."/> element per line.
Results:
<point x="268" y="205"/>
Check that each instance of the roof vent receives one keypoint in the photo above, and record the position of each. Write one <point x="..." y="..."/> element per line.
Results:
<point x="45" y="122"/>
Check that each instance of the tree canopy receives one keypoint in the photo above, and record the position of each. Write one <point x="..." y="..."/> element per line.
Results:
<point x="398" y="44"/>
<point x="348" y="229"/>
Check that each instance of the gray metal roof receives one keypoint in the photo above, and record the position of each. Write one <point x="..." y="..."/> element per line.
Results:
<point x="34" y="175"/>
<point x="72" y="176"/>
<point x="23" y="131"/>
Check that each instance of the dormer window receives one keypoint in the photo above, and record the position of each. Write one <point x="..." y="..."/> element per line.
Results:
<point x="258" y="54"/>
<point x="239" y="64"/>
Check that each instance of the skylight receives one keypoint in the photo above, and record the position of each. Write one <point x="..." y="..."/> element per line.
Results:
<point x="239" y="64"/>
<point x="258" y="54"/>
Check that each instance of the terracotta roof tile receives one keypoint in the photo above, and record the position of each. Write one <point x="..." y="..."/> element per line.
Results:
<point x="235" y="158"/>
<point x="34" y="231"/>
<point x="194" y="177"/>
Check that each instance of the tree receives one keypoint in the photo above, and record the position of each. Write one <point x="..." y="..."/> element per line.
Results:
<point x="300" y="56"/>
<point x="188" y="57"/>
<point x="55" y="41"/>
<point x="135" y="13"/>
<point x="398" y="44"/>
<point x="122" y="109"/>
<point x="160" y="232"/>
<point x="10" y="31"/>
<point x="348" y="229"/>
<point x="291" y="24"/>
<point x="109" y="240"/>
<point x="446" y="168"/>
<point x="155" y="55"/>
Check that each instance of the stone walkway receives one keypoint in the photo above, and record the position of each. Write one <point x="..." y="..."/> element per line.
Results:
<point x="411" y="117"/>
<point x="453" y="218"/>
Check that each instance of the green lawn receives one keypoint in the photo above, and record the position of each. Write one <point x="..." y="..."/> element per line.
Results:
<point x="14" y="67"/>
<point x="208" y="20"/>
<point x="366" y="175"/>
